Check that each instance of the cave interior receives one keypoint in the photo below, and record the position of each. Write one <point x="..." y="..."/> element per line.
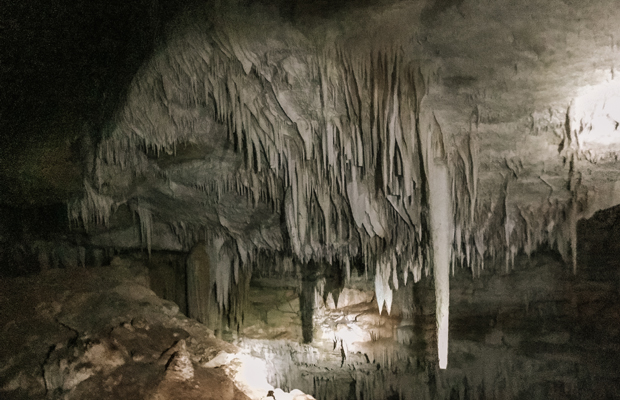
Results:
<point x="331" y="200"/>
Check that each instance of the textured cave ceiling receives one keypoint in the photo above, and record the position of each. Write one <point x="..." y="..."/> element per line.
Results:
<point x="406" y="134"/>
<point x="316" y="131"/>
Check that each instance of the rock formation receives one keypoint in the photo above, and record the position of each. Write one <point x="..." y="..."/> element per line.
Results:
<point x="372" y="146"/>
<point x="198" y="283"/>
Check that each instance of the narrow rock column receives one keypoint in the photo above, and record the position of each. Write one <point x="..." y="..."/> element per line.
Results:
<point x="198" y="283"/>
<point x="307" y="299"/>
<point x="442" y="231"/>
<point x="574" y="181"/>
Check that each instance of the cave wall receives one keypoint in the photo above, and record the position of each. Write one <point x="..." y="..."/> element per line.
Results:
<point x="329" y="143"/>
<point x="400" y="143"/>
<point x="536" y="332"/>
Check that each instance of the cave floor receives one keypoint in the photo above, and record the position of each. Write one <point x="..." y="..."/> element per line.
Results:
<point x="102" y="334"/>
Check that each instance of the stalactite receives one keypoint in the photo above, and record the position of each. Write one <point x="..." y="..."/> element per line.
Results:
<point x="94" y="207"/>
<point x="442" y="232"/>
<point x="573" y="215"/>
<point x="198" y="272"/>
<point x="146" y="226"/>
<point x="222" y="255"/>
<point x="383" y="292"/>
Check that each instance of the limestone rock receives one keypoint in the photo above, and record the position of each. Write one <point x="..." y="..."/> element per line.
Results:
<point x="70" y="364"/>
<point x="179" y="366"/>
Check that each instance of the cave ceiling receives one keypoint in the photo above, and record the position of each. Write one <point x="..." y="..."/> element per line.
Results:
<point x="313" y="132"/>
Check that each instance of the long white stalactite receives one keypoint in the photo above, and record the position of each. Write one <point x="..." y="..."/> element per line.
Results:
<point x="442" y="231"/>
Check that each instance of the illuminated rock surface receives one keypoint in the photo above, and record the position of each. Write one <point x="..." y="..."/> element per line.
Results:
<point x="101" y="333"/>
<point x="271" y="159"/>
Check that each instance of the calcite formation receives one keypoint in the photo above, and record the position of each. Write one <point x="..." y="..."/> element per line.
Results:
<point x="410" y="137"/>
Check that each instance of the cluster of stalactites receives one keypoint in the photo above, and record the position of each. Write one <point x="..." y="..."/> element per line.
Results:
<point x="92" y="207"/>
<point x="507" y="230"/>
<point x="498" y="228"/>
<point x="255" y="187"/>
<point x="503" y="228"/>
<point x="332" y="139"/>
<point x="349" y="167"/>
<point x="341" y="134"/>
<point x="226" y="271"/>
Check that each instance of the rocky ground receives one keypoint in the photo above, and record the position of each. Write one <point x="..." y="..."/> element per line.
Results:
<point x="101" y="333"/>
